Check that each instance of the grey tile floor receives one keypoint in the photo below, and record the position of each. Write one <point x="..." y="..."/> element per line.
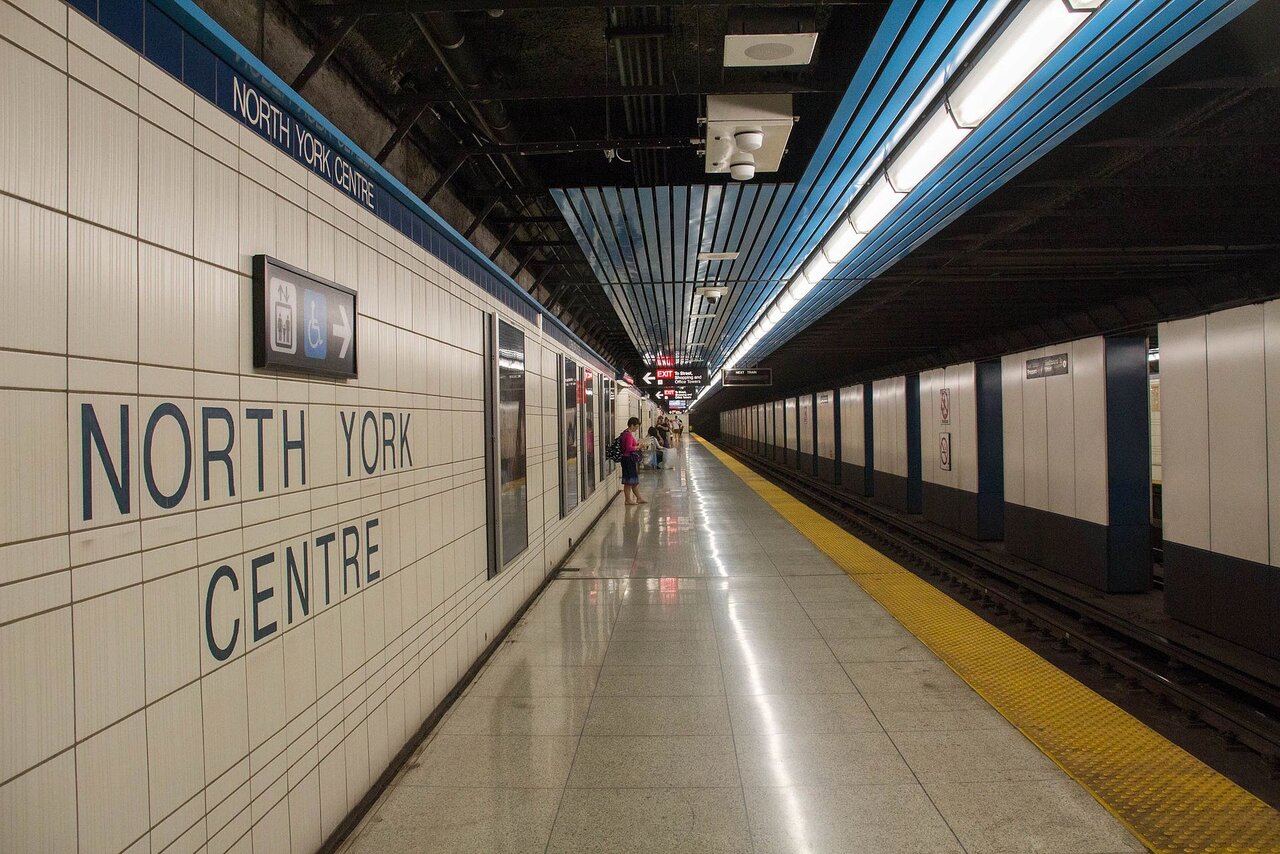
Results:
<point x="709" y="681"/>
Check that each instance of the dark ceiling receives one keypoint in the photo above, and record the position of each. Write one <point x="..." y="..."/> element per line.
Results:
<point x="571" y="93"/>
<point x="1165" y="206"/>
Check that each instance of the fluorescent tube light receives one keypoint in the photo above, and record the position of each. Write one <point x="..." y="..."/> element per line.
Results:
<point x="800" y="287"/>
<point x="841" y="242"/>
<point x="717" y="256"/>
<point x="817" y="268"/>
<point x="937" y="137"/>
<point x="774" y="315"/>
<point x="1032" y="35"/>
<point x="786" y="302"/>
<point x="875" y="204"/>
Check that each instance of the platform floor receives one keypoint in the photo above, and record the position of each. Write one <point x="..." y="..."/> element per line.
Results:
<point x="708" y="680"/>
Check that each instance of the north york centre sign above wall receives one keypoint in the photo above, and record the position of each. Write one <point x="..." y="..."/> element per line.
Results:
<point x="302" y="322"/>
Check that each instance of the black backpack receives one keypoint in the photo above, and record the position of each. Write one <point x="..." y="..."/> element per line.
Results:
<point x="614" y="451"/>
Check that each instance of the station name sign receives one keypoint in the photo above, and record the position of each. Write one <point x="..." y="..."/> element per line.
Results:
<point x="1047" y="366"/>
<point x="259" y="112"/>
<point x="749" y="376"/>
<point x="302" y="322"/>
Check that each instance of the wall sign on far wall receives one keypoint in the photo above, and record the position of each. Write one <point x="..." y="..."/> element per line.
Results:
<point x="944" y="451"/>
<point x="302" y="322"/>
<point x="749" y="376"/>
<point x="1047" y="366"/>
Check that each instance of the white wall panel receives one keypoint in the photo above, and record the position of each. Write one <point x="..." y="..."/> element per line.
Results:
<point x="889" y="414"/>
<point x="789" y="413"/>
<point x="958" y="381"/>
<point x="1237" y="433"/>
<point x="931" y="384"/>
<point x="964" y="446"/>
<point x="827" y="425"/>
<point x="852" y="426"/>
<point x="806" y="424"/>
<point x="1060" y="435"/>
<point x="1272" y="333"/>
<point x="1011" y="374"/>
<point x="1035" y="438"/>
<point x="1089" y="398"/>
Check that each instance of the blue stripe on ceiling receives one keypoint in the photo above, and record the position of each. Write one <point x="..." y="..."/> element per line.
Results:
<point x="1122" y="46"/>
<point x="642" y="244"/>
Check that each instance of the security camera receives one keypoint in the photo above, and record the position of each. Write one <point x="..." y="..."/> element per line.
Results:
<point x="748" y="139"/>
<point x="742" y="167"/>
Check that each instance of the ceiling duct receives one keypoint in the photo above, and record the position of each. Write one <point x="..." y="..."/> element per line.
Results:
<point x="769" y="37"/>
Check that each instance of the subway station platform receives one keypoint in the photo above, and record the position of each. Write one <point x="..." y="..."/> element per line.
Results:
<point x="702" y="677"/>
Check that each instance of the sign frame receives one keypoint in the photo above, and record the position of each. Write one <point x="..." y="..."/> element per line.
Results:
<point x="263" y="354"/>
<point x="735" y="377"/>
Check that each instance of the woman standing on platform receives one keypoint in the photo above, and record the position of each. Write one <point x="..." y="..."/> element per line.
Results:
<point x="631" y="462"/>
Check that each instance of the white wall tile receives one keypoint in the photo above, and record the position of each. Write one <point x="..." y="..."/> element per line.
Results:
<point x="166" y="168"/>
<point x="38" y="809"/>
<point x="33" y="128"/>
<point x="175" y="752"/>
<point x="111" y="775"/>
<point x="33" y="275"/>
<point x="216" y="217"/>
<point x="109" y="673"/>
<point x="172" y="608"/>
<point x="102" y="318"/>
<point x="166" y="311"/>
<point x="1238" y="511"/>
<point x="33" y="465"/>
<point x="39" y="720"/>
<point x="103" y="158"/>
<point x="1089" y="387"/>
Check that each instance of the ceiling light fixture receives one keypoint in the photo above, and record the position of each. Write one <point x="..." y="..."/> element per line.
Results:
<point x="1001" y="64"/>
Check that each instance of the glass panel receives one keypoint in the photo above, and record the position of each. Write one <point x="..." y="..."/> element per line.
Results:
<point x="568" y="437"/>
<point x="513" y="483"/>
<point x="588" y="400"/>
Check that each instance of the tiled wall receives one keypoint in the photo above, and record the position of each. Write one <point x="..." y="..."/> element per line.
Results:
<point x="957" y="417"/>
<point x="1055" y="433"/>
<point x="180" y="667"/>
<point x="889" y="421"/>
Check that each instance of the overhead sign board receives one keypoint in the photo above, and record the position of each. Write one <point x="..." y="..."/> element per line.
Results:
<point x="749" y="376"/>
<point x="674" y="393"/>
<point x="302" y="322"/>
<point x="1047" y="366"/>
<point x="675" y="377"/>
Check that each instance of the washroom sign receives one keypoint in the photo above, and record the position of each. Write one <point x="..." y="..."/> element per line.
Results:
<point x="302" y="322"/>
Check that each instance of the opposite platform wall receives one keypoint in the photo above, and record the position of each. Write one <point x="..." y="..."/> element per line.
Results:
<point x="164" y="686"/>
<point x="1220" y="420"/>
<point x="1076" y="487"/>
<point x="896" y="451"/>
<point x="855" y="465"/>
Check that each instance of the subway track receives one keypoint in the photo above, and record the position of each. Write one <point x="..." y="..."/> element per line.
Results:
<point x="1226" y="716"/>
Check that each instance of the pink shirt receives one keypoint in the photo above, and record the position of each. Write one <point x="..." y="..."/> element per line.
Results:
<point x="629" y="443"/>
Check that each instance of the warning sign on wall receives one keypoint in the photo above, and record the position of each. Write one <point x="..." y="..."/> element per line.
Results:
<point x="944" y="405"/>
<point x="944" y="451"/>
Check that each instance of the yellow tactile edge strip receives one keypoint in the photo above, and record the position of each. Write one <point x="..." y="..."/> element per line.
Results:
<point x="1170" y="800"/>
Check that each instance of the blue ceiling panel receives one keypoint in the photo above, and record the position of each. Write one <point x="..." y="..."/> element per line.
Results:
<point x="1123" y="45"/>
<point x="643" y="245"/>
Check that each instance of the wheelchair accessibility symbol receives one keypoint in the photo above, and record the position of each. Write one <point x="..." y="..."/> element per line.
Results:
<point x="315" y="315"/>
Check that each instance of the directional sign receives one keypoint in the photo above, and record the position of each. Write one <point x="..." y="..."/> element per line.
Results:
<point x="749" y="376"/>
<point x="666" y="377"/>
<point x="302" y="322"/>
